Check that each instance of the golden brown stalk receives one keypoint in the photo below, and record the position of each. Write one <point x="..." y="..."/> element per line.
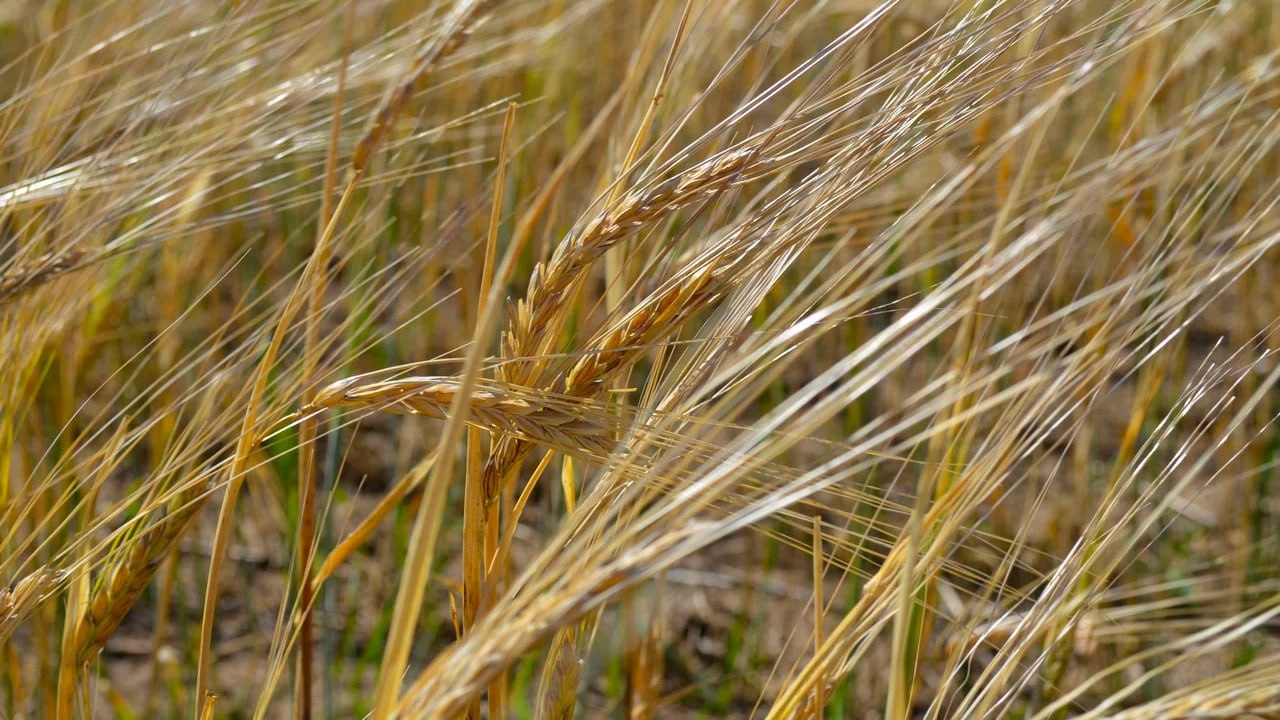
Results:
<point x="819" y="610"/>
<point x="475" y="516"/>
<point x="308" y="430"/>
<point x="496" y="408"/>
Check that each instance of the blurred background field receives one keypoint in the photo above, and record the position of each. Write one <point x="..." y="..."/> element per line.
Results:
<point x="629" y="333"/>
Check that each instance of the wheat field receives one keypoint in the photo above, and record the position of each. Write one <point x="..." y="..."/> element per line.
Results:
<point x="640" y="359"/>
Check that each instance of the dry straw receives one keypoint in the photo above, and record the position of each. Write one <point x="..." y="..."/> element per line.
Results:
<point x="788" y="412"/>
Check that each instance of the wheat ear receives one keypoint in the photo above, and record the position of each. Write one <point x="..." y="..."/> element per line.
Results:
<point x="16" y="282"/>
<point x="537" y="319"/>
<point x="455" y="30"/>
<point x="24" y="596"/>
<point x="644" y="326"/>
<point x="125" y="581"/>
<point x="498" y="408"/>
